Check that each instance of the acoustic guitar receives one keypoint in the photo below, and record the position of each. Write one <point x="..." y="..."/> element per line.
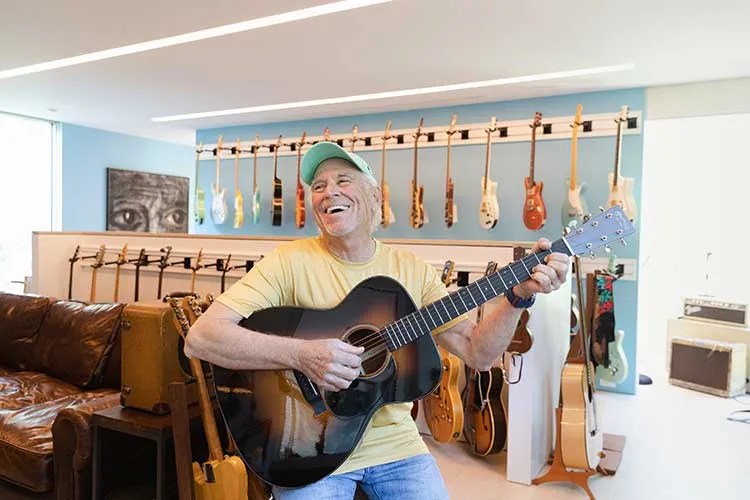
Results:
<point x="221" y="476"/>
<point x="199" y="209"/>
<point x="98" y="262"/>
<point x="256" y="187"/>
<point x="219" y="201"/>
<point x="292" y="433"/>
<point x="239" y="215"/>
<point x="299" y="207"/>
<point x="387" y="217"/>
<point x="122" y="258"/>
<point x="489" y="208"/>
<point x="73" y="259"/>
<point x="534" y="211"/>
<point x="451" y="211"/>
<point x="574" y="205"/>
<point x="195" y="268"/>
<point x="485" y="420"/>
<point x="581" y="438"/>
<point x="442" y="407"/>
<point x="278" y="199"/>
<point x="523" y="339"/>
<point x="621" y="188"/>
<point x="418" y="217"/>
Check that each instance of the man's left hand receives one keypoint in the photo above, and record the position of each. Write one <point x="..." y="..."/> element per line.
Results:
<point x="546" y="277"/>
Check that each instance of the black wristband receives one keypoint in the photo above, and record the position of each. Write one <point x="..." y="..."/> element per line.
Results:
<point x="519" y="302"/>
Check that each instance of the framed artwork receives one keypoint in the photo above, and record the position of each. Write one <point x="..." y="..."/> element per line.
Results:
<point x="146" y="202"/>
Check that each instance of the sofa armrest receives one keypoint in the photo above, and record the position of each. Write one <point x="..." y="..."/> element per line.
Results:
<point x="72" y="445"/>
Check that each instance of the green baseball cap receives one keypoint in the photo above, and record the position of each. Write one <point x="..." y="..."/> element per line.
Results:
<point x="323" y="151"/>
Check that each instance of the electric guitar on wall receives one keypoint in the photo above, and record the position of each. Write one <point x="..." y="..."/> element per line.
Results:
<point x="278" y="199"/>
<point x="534" y="211"/>
<point x="73" y="259"/>
<point x="299" y="208"/>
<point x="281" y="421"/>
<point x="200" y="195"/>
<point x="256" y="187"/>
<point x="98" y="262"/>
<point x="489" y="208"/>
<point x="122" y="258"/>
<point x="451" y="211"/>
<point x="387" y="217"/>
<point x="355" y="138"/>
<point x="195" y="268"/>
<point x="574" y="205"/>
<point x="620" y="188"/>
<point x="239" y="215"/>
<point x="219" y="201"/>
<point x="442" y="407"/>
<point x="418" y="217"/>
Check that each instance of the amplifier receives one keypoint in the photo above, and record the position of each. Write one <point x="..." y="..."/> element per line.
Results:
<point x="717" y="311"/>
<point x="708" y="366"/>
<point x="152" y="357"/>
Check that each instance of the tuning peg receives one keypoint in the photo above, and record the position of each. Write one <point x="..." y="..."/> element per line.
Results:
<point x="623" y="242"/>
<point x="607" y="249"/>
<point x="592" y="255"/>
<point x="601" y="209"/>
<point x="573" y="223"/>
<point x="586" y="217"/>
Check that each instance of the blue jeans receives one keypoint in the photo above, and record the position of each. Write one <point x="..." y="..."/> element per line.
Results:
<point x="414" y="478"/>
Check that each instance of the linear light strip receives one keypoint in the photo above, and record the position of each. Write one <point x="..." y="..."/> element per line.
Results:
<point x="574" y="73"/>
<point x="229" y="29"/>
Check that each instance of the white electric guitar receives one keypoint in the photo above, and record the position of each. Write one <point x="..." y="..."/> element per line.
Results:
<point x="621" y="188"/>
<point x="489" y="208"/>
<point x="574" y="207"/>
<point x="219" y="201"/>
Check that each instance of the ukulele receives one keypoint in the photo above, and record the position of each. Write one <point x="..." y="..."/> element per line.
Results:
<point x="282" y="421"/>
<point x="621" y="188"/>
<point x="278" y="200"/>
<point x="387" y="217"/>
<point x="98" y="262"/>
<point x="219" y="202"/>
<point x="418" y="217"/>
<point x="574" y="206"/>
<point x="198" y="265"/>
<point x="121" y="259"/>
<point x="485" y="421"/>
<point x="73" y="259"/>
<point x="581" y="439"/>
<point x="256" y="188"/>
<point x="534" y="211"/>
<point x="442" y="407"/>
<point x="451" y="211"/>
<point x="299" y="208"/>
<point x="199" y="211"/>
<point x="489" y="208"/>
<point x="239" y="215"/>
<point x="221" y="476"/>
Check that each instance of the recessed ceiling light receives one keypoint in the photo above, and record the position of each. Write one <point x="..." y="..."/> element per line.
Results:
<point x="557" y="75"/>
<point x="228" y="29"/>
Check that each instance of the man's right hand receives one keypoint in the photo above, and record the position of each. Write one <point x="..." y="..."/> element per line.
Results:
<point x="331" y="363"/>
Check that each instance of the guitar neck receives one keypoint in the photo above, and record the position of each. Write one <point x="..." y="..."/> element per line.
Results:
<point x="448" y="161"/>
<point x="487" y="157"/>
<point x="382" y="162"/>
<point x="255" y="168"/>
<point x="574" y="156"/>
<point x="416" y="160"/>
<point x="533" y="155"/>
<point x="423" y="321"/>
<point x="116" y="295"/>
<point x="618" y="151"/>
<point x="275" y="162"/>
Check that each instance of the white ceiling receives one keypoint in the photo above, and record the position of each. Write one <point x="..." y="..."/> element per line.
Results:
<point x="403" y="44"/>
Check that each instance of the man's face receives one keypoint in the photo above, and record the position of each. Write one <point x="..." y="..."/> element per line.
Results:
<point x="342" y="199"/>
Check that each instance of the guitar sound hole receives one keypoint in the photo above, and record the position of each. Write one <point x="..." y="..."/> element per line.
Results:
<point x="376" y="354"/>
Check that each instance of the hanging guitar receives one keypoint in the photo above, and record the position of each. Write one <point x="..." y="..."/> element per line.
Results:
<point x="620" y="188"/>
<point x="485" y="420"/>
<point x="256" y="187"/>
<point x="219" y="202"/>
<point x="98" y="262"/>
<point x="281" y="421"/>
<point x="489" y="208"/>
<point x="278" y="199"/>
<point x="354" y="139"/>
<point x="239" y="211"/>
<point x="442" y="407"/>
<point x="118" y="262"/>
<point x="299" y="208"/>
<point x="221" y="476"/>
<point x="451" y="211"/>
<point x="199" y="211"/>
<point x="534" y="211"/>
<point x="574" y="205"/>
<point x="73" y="259"/>
<point x="418" y="217"/>
<point x="387" y="217"/>
<point x="195" y="268"/>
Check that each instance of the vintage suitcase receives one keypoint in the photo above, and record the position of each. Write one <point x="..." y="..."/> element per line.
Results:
<point x="708" y="366"/>
<point x="151" y="355"/>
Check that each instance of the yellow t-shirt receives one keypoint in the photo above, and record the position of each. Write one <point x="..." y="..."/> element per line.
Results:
<point x="303" y="274"/>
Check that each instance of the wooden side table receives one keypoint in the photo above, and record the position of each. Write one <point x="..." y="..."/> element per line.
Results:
<point x="132" y="422"/>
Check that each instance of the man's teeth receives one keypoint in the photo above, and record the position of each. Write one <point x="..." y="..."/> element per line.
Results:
<point x="336" y="209"/>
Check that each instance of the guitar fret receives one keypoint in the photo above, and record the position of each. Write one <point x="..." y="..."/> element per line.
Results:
<point x="537" y="258"/>
<point x="480" y="291"/>
<point x="493" y="288"/>
<point x="424" y="323"/>
<point x="389" y="338"/>
<point x="524" y="266"/>
<point x="510" y="268"/>
<point x="462" y="300"/>
<point x="442" y="303"/>
<point x="427" y="308"/>
<point x="501" y="279"/>
<point x="409" y="328"/>
<point x="400" y="333"/>
<point x="468" y="291"/>
<point x="416" y="322"/>
<point x="450" y="300"/>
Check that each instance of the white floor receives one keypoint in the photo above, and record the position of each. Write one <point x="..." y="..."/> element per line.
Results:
<point x="679" y="446"/>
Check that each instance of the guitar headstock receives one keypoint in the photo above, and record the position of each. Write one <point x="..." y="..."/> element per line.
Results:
<point x="445" y="277"/>
<point x="578" y="120"/>
<point x="600" y="231"/>
<point x="76" y="254"/>
<point x="419" y="133"/>
<point x="122" y="257"/>
<point x="493" y="125"/>
<point x="183" y="325"/>
<point x="278" y="145"/>
<point x="327" y="135"/>
<point x="198" y="261"/>
<point x="99" y="257"/>
<point x="452" y="127"/>
<point x="387" y="134"/>
<point x="623" y="115"/>
<point x="355" y="137"/>
<point x="491" y="268"/>
<point x="537" y="120"/>
<point x="219" y="145"/>
<point x="257" y="146"/>
<point x="164" y="259"/>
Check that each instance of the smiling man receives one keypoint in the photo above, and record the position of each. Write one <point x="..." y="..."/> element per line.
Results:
<point x="391" y="460"/>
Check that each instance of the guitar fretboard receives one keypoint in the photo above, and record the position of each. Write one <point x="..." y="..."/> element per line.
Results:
<point x="428" y="318"/>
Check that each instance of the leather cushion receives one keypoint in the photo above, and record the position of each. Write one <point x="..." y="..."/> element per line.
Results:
<point x="74" y="340"/>
<point x="20" y="318"/>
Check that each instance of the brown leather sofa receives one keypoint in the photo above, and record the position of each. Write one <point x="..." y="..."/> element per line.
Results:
<point x="59" y="362"/>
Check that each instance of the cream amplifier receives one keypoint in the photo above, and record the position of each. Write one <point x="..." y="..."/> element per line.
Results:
<point x="715" y="311"/>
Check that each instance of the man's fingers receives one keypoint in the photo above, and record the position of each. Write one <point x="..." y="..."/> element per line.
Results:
<point x="344" y="372"/>
<point x="337" y="383"/>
